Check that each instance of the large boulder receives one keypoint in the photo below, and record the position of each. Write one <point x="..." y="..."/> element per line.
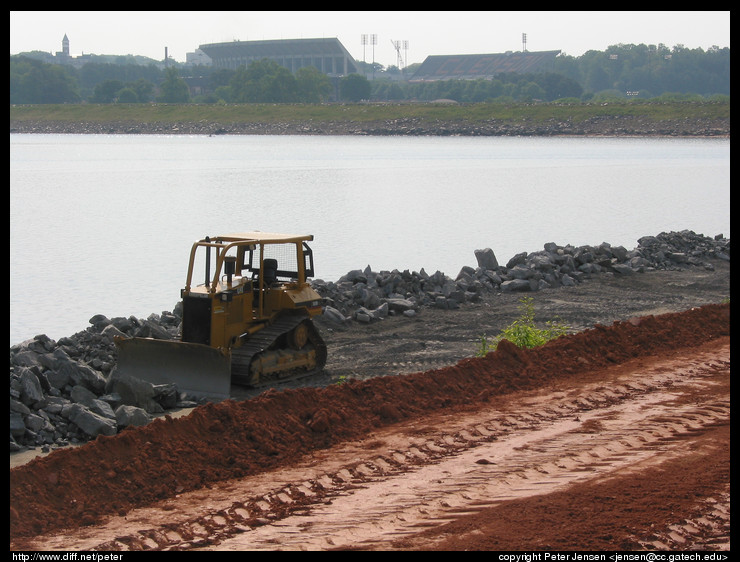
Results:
<point x="133" y="391"/>
<point x="131" y="416"/>
<point x="30" y="389"/>
<point x="486" y="259"/>
<point x="91" y="423"/>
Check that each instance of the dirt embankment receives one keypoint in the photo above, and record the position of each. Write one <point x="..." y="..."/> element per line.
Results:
<point x="235" y="440"/>
<point x="595" y="126"/>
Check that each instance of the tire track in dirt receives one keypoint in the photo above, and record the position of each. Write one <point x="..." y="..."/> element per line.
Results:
<point x="425" y="473"/>
<point x="710" y="530"/>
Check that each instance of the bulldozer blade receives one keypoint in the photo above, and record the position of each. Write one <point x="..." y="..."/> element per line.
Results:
<point x="196" y="369"/>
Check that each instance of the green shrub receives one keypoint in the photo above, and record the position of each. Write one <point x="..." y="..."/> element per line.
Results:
<point x="523" y="332"/>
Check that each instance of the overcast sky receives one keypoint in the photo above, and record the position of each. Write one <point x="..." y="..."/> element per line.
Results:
<point x="425" y="33"/>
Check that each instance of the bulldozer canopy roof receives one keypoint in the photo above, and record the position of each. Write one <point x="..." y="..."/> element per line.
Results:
<point x="264" y="237"/>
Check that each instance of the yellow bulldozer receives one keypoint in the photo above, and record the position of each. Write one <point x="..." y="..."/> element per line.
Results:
<point x="249" y="323"/>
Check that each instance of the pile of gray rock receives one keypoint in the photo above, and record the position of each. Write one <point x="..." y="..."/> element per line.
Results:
<point x="366" y="296"/>
<point x="68" y="391"/>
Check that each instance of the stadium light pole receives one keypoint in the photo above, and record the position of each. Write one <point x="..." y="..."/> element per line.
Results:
<point x="373" y="42"/>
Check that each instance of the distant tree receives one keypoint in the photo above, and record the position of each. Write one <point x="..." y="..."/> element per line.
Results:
<point x="220" y="77"/>
<point x="127" y="95"/>
<point x="144" y="90"/>
<point x="557" y="86"/>
<point x="387" y="90"/>
<point x="455" y="90"/>
<point x="173" y="89"/>
<point x="263" y="81"/>
<point x="224" y="93"/>
<point x="354" y="87"/>
<point x="208" y="97"/>
<point x="239" y="86"/>
<point x="478" y="90"/>
<point x="282" y="87"/>
<point x="91" y="74"/>
<point x="531" y="91"/>
<point x="33" y="81"/>
<point x="106" y="91"/>
<point x="313" y="85"/>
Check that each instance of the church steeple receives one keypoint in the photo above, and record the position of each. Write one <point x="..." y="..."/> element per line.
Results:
<point x="65" y="46"/>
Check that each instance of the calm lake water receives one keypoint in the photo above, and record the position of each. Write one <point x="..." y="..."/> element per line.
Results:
<point x="104" y="223"/>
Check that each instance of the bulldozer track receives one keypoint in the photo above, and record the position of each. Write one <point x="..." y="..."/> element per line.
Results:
<point x="540" y="443"/>
<point x="261" y="341"/>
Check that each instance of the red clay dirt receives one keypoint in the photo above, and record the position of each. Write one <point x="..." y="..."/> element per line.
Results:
<point x="488" y="453"/>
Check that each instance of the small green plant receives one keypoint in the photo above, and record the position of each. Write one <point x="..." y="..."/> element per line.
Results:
<point x="523" y="332"/>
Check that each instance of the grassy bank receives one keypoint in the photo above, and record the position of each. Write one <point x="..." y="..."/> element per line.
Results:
<point x="358" y="113"/>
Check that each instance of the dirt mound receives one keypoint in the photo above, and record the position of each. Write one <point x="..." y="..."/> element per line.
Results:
<point x="231" y="439"/>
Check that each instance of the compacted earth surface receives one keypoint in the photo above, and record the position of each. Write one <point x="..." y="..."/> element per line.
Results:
<point x="614" y="437"/>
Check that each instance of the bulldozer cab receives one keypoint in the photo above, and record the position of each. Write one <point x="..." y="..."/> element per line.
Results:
<point x="248" y="279"/>
<point x="251" y="253"/>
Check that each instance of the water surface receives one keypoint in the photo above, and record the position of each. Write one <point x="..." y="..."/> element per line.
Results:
<point x="104" y="223"/>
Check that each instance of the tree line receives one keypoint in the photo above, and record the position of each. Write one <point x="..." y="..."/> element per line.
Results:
<point x="643" y="71"/>
<point x="36" y="82"/>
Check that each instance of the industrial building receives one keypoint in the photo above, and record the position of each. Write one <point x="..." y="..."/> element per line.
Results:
<point x="471" y="67"/>
<point x="327" y="55"/>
